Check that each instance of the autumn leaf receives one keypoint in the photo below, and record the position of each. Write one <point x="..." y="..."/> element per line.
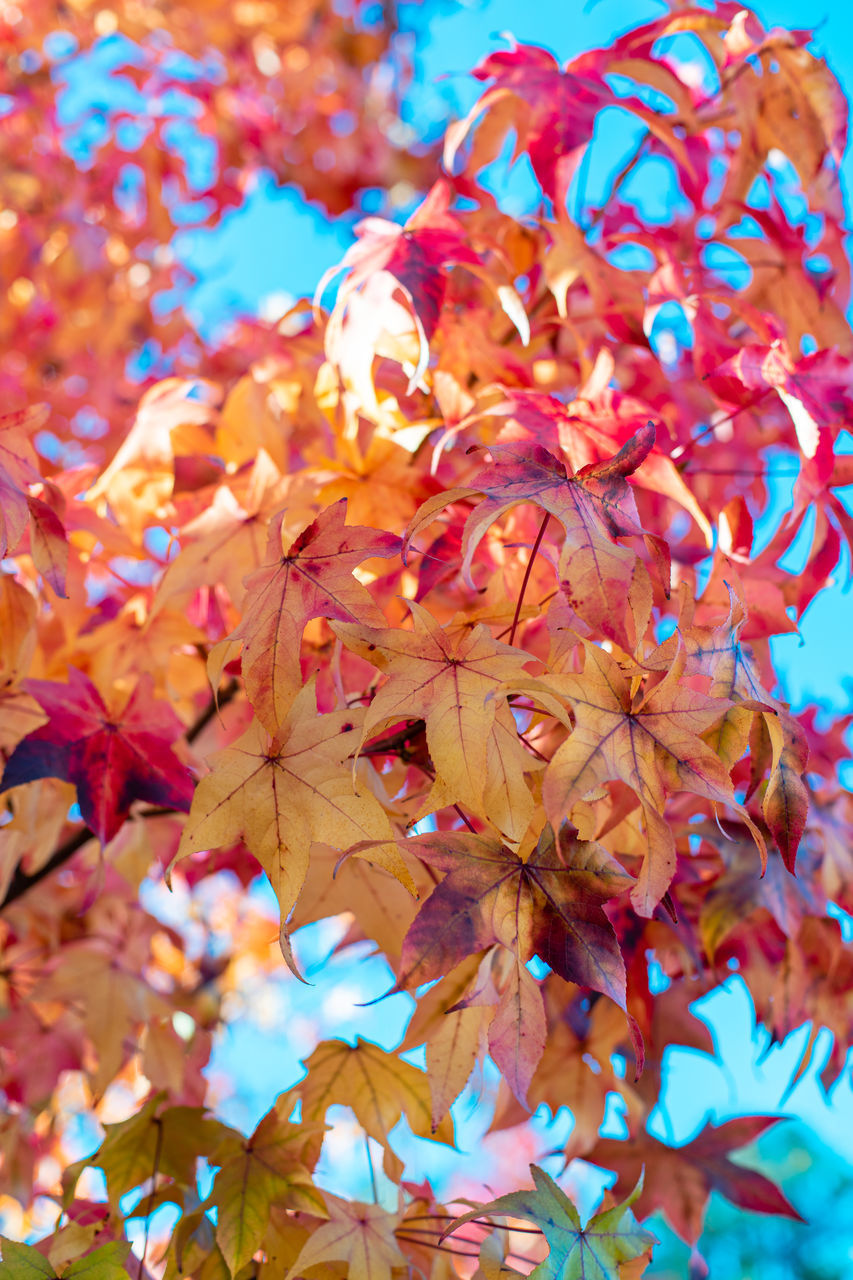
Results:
<point x="227" y="539"/>
<point x="451" y="1055"/>
<point x="412" y="261"/>
<point x="552" y="109"/>
<point x="578" y="1062"/>
<point x="23" y="1262"/>
<point x="105" y="1263"/>
<point x="591" y="1252"/>
<point x="679" y="1180"/>
<point x="453" y="1035"/>
<point x="302" y="578"/>
<point x="581" y="406"/>
<point x="379" y="1086"/>
<point x="594" y="506"/>
<point x="19" y="711"/>
<point x="272" y="1166"/>
<point x="815" y="389"/>
<point x="21" y="503"/>
<point x="651" y="742"/>
<point x="518" y="1030"/>
<point x="733" y="899"/>
<point x="113" y="756"/>
<point x="48" y="543"/>
<point x="361" y="1235"/>
<point x="549" y="905"/>
<point x="155" y="1141"/>
<point x="450" y="681"/>
<point x="755" y="717"/>
<point x="281" y="794"/>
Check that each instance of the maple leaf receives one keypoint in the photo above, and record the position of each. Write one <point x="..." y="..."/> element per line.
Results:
<point x="651" y="742"/>
<point x="155" y="1141"/>
<point x="451" y="682"/>
<point x="306" y="577"/>
<point x="272" y="1166"/>
<point x="410" y="260"/>
<point x="575" y="1252"/>
<point x="281" y="794"/>
<point x="361" y="1235"/>
<point x="549" y="904"/>
<point x="816" y="390"/>
<point x="679" y="1180"/>
<point x="113" y="755"/>
<point x="379" y="1086"/>
<point x="24" y="1262"/>
<point x="777" y="743"/>
<point x="594" y="506"/>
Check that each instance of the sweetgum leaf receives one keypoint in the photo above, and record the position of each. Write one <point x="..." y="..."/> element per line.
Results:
<point x="550" y="905"/>
<point x="23" y="1262"/>
<point x="453" y="682"/>
<point x="679" y="1180"/>
<point x="653" y="743"/>
<point x="104" y="1263"/>
<point x="591" y="1252"/>
<point x="595" y="506"/>
<point x="310" y="577"/>
<point x="270" y="1167"/>
<point x="113" y="758"/>
<point x="379" y="1086"/>
<point x="361" y="1235"/>
<point x="282" y="794"/>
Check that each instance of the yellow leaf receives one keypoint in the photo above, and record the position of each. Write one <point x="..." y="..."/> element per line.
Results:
<point x="362" y="1235"/>
<point x="380" y="1087"/>
<point x="280" y="795"/>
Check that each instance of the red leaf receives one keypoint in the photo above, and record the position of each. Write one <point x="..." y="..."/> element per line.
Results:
<point x="112" y="758"/>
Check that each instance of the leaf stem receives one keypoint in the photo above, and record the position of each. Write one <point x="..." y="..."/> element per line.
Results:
<point x="537" y="544"/>
<point x="427" y="1244"/>
<point x="373" y="1185"/>
<point x="466" y="820"/>
<point x="158" y="1147"/>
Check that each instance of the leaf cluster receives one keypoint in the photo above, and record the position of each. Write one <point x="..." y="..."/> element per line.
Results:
<point x="445" y="611"/>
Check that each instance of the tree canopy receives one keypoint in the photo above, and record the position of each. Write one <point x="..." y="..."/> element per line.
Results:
<point x="445" y="602"/>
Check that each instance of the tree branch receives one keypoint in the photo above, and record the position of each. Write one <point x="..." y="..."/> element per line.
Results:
<point x="22" y="881"/>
